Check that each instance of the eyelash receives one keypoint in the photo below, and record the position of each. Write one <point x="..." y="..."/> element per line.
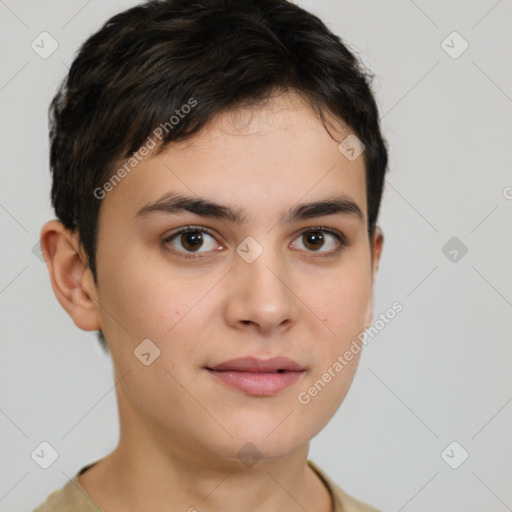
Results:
<point x="342" y="243"/>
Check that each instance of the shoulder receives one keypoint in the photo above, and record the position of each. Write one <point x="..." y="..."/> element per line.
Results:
<point x="351" y="504"/>
<point x="70" y="498"/>
<point x="343" y="502"/>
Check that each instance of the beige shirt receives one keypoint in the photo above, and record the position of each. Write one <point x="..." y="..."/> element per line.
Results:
<point x="74" y="498"/>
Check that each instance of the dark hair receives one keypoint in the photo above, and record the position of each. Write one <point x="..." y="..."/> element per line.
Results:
<point x="144" y="63"/>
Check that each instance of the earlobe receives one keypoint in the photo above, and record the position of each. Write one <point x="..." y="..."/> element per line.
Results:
<point x="378" y="242"/>
<point x="68" y="270"/>
<point x="376" y="251"/>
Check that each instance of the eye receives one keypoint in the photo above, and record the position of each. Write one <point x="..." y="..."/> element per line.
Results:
<point x="191" y="239"/>
<point x="321" y="238"/>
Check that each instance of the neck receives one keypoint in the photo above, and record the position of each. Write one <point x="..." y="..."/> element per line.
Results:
<point x="150" y="476"/>
<point x="154" y="469"/>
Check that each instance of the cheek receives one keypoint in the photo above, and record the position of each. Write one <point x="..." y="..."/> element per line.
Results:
<point x="132" y="308"/>
<point x="341" y="303"/>
<point x="149" y="301"/>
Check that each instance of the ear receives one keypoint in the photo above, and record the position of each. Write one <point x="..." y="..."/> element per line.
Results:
<point x="376" y="250"/>
<point x="70" y="276"/>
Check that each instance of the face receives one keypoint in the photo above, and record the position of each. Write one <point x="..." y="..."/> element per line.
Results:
<point x="267" y="280"/>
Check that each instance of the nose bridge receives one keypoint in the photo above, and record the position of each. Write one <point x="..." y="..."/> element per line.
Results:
<point x="261" y="291"/>
<point x="265" y="273"/>
<point x="266" y="276"/>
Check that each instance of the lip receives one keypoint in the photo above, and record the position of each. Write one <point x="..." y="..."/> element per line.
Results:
<point x="258" y="377"/>
<point x="253" y="364"/>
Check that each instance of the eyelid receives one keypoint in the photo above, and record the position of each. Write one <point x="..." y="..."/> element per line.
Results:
<point x="341" y="241"/>
<point x="334" y="232"/>
<point x="186" y="229"/>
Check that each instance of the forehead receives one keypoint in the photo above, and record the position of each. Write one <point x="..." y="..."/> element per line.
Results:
<point x="272" y="154"/>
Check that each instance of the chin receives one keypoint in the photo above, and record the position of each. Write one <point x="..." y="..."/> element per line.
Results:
<point x="268" y="436"/>
<point x="249" y="451"/>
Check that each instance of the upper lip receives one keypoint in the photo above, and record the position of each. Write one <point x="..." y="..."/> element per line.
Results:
<point x="253" y="364"/>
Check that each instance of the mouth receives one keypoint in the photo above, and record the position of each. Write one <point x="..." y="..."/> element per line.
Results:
<point x="257" y="383"/>
<point x="253" y="364"/>
<point x="258" y="377"/>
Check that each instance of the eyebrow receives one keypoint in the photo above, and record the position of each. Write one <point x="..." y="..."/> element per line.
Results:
<point x="172" y="203"/>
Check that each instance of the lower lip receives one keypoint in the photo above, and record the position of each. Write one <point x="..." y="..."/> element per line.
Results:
<point x="256" y="383"/>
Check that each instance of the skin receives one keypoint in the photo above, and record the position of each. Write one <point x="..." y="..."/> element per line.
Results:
<point x="181" y="428"/>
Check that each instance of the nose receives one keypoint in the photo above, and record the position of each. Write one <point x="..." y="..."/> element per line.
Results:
<point x="261" y="295"/>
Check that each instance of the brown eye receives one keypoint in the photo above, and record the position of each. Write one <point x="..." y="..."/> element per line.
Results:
<point x="191" y="240"/>
<point x="314" y="240"/>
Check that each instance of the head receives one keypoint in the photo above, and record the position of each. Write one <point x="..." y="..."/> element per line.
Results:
<point x="225" y="116"/>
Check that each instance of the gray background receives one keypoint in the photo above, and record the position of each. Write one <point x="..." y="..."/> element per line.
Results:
<point x="439" y="372"/>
